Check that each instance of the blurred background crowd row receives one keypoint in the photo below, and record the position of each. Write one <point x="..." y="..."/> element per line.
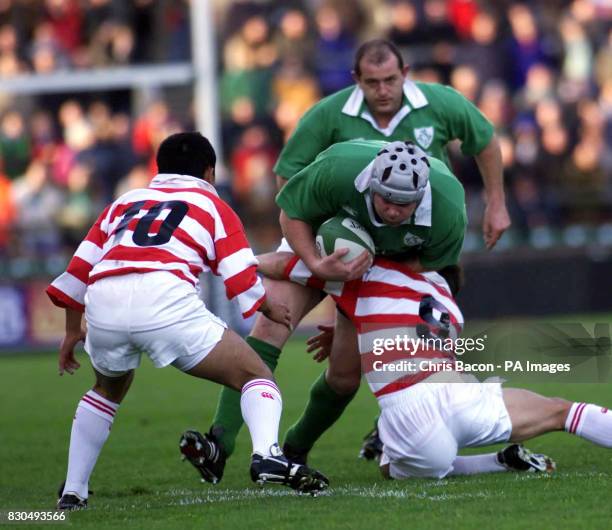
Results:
<point x="540" y="71"/>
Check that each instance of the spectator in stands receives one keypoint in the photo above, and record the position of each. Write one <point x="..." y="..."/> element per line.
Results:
<point x="334" y="48"/>
<point x="14" y="144"/>
<point x="37" y="203"/>
<point x="46" y="53"/>
<point x="462" y="13"/>
<point x="295" y="91"/>
<point x="110" y="160"/>
<point x="64" y="18"/>
<point x="147" y="127"/>
<point x="245" y="83"/>
<point x="495" y="104"/>
<point x="405" y="30"/>
<point x="294" y="40"/>
<point x="526" y="46"/>
<point x="484" y="50"/>
<point x="11" y="63"/>
<point x="79" y="207"/>
<point x="43" y="136"/>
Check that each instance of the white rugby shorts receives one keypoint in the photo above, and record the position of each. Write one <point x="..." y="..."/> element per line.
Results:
<point x="423" y="426"/>
<point x="156" y="314"/>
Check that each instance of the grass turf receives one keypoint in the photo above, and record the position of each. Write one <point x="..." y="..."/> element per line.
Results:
<point x="139" y="481"/>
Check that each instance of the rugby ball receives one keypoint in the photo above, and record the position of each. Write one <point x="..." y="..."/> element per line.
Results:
<point x="343" y="232"/>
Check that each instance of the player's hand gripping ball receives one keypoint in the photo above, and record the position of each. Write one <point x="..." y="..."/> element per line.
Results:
<point x="343" y="232"/>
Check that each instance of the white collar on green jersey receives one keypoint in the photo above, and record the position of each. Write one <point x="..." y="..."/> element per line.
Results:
<point x="173" y="180"/>
<point x="413" y="94"/>
<point x="422" y="215"/>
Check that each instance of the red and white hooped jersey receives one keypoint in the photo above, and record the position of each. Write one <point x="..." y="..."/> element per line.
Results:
<point x="179" y="225"/>
<point x="388" y="302"/>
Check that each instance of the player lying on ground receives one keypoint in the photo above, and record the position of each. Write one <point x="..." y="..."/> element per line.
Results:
<point x="136" y="278"/>
<point x="429" y="410"/>
<point x="409" y="203"/>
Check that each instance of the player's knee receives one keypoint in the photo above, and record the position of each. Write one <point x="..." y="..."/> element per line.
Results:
<point x="560" y="409"/>
<point x="113" y="388"/>
<point x="254" y="371"/>
<point x="269" y="331"/>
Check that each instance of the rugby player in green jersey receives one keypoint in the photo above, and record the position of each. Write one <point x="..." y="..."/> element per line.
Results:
<point x="411" y="205"/>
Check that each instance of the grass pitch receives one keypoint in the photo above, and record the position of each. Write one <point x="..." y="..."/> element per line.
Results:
<point x="139" y="481"/>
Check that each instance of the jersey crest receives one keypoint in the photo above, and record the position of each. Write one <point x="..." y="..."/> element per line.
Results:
<point x="410" y="240"/>
<point x="424" y="135"/>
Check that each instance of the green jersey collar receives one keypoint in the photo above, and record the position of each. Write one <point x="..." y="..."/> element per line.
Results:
<point x="422" y="215"/>
<point x="413" y="99"/>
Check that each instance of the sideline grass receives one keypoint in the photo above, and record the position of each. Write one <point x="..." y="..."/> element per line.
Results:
<point x="139" y="481"/>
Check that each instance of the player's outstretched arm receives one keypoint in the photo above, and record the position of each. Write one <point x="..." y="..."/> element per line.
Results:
<point x="74" y="334"/>
<point x="273" y="264"/>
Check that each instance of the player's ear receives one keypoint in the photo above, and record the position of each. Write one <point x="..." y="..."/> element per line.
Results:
<point x="405" y="70"/>
<point x="355" y="76"/>
<point x="209" y="175"/>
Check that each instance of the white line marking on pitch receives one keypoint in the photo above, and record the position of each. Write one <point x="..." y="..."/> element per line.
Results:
<point x="190" y="497"/>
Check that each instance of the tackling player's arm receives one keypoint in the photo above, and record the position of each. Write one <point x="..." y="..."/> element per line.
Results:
<point x="273" y="265"/>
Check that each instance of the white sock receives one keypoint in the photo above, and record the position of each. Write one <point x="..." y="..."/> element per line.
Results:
<point x="261" y="406"/>
<point x="90" y="429"/>
<point x="470" y="465"/>
<point x="591" y="422"/>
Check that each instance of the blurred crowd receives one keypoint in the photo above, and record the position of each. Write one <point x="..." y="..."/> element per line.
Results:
<point x="42" y="36"/>
<point x="540" y="71"/>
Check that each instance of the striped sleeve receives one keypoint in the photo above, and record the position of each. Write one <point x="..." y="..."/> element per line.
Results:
<point x="343" y="293"/>
<point x="68" y="289"/>
<point x="236" y="263"/>
<point x="297" y="272"/>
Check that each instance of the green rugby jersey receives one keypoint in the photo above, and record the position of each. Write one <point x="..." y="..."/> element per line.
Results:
<point x="431" y="115"/>
<point x="337" y="181"/>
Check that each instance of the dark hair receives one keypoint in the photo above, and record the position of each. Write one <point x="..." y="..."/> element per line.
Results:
<point x="187" y="153"/>
<point x="377" y="51"/>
